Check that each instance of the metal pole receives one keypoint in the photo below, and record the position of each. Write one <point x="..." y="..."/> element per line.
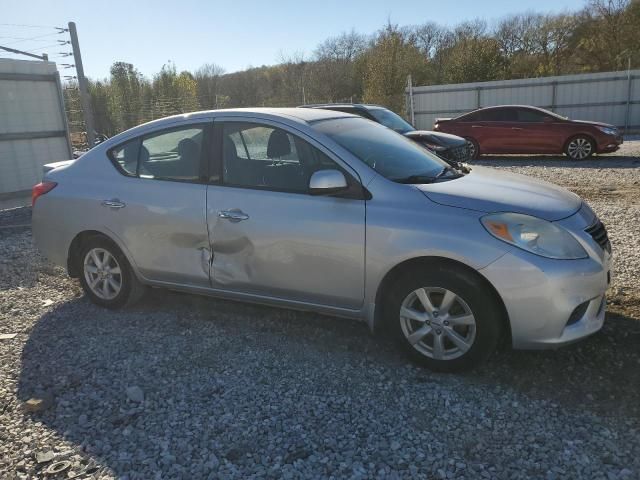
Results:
<point x="477" y="97"/>
<point x="20" y="52"/>
<point x="554" y="93"/>
<point x="82" y="85"/>
<point x="412" y="112"/>
<point x="628" y="114"/>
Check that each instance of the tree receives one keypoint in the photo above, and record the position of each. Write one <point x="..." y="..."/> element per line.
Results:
<point x="386" y="66"/>
<point x="125" y="101"/>
<point x="208" y="85"/>
<point x="472" y="55"/>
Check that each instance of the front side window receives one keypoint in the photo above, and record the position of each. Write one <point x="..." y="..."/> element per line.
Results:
<point x="261" y="156"/>
<point x="166" y="155"/>
<point x="387" y="152"/>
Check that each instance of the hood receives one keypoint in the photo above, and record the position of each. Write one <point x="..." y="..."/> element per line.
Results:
<point x="443" y="139"/>
<point x="595" y="124"/>
<point x="489" y="190"/>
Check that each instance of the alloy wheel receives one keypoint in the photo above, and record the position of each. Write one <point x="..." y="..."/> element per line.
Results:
<point x="102" y="273"/>
<point x="437" y="323"/>
<point x="579" y="148"/>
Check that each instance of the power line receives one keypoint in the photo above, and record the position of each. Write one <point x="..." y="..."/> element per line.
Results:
<point x="27" y="26"/>
<point x="38" y="38"/>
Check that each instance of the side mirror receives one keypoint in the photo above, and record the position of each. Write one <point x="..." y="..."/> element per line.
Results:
<point x="548" y="120"/>
<point x="327" y="182"/>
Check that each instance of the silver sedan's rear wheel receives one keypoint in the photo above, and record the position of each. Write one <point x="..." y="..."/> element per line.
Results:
<point x="102" y="273"/>
<point x="444" y="315"/>
<point x="107" y="278"/>
<point x="579" y="148"/>
<point x="438" y="323"/>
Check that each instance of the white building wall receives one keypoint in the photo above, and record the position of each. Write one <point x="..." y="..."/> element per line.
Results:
<point x="33" y="128"/>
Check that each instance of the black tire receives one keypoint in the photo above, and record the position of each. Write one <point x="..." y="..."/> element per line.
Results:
<point x="476" y="295"/>
<point x="131" y="290"/>
<point x="474" y="153"/>
<point x="580" y="148"/>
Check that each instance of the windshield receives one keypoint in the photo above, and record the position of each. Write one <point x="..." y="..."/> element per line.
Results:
<point x="387" y="152"/>
<point x="391" y="120"/>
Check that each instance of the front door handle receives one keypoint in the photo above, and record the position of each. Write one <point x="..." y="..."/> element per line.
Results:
<point x="233" y="215"/>
<point x="113" y="203"/>
<point x="516" y="128"/>
<point x="476" y="126"/>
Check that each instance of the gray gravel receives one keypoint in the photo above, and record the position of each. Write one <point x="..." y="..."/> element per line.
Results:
<point x="190" y="387"/>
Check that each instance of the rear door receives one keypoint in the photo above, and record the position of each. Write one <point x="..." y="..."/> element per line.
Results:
<point x="157" y="210"/>
<point x="269" y="236"/>
<point x="496" y="130"/>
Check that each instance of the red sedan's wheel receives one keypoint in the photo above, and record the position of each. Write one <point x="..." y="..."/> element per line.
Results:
<point x="580" y="148"/>
<point x="474" y="148"/>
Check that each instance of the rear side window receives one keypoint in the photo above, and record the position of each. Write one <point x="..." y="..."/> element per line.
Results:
<point x="526" y="115"/>
<point x="500" y="115"/>
<point x="166" y="155"/>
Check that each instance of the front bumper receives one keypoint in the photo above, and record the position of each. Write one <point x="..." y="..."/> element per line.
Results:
<point x="610" y="144"/>
<point x="553" y="302"/>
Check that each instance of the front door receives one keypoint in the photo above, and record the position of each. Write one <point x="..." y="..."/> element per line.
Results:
<point x="269" y="236"/>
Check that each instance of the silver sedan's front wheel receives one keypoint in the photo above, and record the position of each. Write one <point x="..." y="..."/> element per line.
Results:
<point x="438" y="323"/>
<point x="102" y="273"/>
<point x="579" y="148"/>
<point x="445" y="316"/>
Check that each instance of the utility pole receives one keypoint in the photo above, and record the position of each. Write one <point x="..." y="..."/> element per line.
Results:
<point x="82" y="85"/>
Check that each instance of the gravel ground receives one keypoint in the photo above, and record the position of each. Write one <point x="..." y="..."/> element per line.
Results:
<point x="190" y="387"/>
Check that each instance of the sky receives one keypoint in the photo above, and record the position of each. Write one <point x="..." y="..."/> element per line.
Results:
<point x="233" y="34"/>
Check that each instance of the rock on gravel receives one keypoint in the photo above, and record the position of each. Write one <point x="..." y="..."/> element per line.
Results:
<point x="241" y="391"/>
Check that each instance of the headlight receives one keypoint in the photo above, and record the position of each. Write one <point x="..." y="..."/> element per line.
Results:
<point x="434" y="147"/>
<point x="534" y="235"/>
<point x="608" y="130"/>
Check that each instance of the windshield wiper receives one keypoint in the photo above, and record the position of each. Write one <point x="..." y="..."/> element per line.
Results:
<point x="445" y="170"/>
<point x="416" y="179"/>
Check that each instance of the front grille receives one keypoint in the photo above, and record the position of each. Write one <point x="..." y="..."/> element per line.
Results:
<point x="458" y="154"/>
<point x="599" y="234"/>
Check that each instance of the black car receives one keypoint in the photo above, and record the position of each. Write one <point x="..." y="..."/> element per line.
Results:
<point x="449" y="147"/>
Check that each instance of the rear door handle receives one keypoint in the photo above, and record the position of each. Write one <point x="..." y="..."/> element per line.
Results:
<point x="233" y="215"/>
<point x="476" y="126"/>
<point x="113" y="203"/>
<point x="516" y="128"/>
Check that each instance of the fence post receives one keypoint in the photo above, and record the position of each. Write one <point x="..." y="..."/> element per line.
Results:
<point x="478" y="97"/>
<point x="554" y="94"/>
<point x="628" y="114"/>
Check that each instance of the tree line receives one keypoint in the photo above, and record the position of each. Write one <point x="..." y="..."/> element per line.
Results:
<point x="353" y="67"/>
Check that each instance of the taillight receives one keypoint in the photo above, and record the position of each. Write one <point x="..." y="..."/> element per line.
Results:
<point x="40" y="189"/>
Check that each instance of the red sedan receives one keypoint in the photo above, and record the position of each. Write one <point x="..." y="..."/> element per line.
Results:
<point x="524" y="129"/>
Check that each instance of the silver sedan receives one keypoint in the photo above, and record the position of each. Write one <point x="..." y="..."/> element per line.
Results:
<point x="324" y="211"/>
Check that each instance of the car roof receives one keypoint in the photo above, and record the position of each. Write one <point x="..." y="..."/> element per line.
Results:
<point x="364" y="106"/>
<point x="300" y="114"/>
<point x="292" y="114"/>
<point x="494" y="107"/>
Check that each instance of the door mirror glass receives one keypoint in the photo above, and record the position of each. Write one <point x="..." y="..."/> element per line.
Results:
<point x="327" y="182"/>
